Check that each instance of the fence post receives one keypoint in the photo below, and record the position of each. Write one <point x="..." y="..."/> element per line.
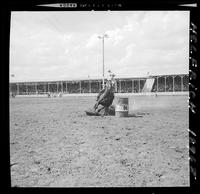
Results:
<point x="139" y="85"/>
<point x="61" y="86"/>
<point x="48" y="86"/>
<point x="89" y="86"/>
<point x="17" y="88"/>
<point x="119" y="86"/>
<point x="35" y="87"/>
<point x="181" y="83"/>
<point x="80" y="86"/>
<point x="44" y="87"/>
<point x="157" y="85"/>
<point x="132" y="85"/>
<point x="26" y="89"/>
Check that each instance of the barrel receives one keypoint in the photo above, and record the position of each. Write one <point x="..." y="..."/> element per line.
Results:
<point x="121" y="109"/>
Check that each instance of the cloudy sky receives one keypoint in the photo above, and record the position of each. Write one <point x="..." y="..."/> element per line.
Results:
<point x="64" y="45"/>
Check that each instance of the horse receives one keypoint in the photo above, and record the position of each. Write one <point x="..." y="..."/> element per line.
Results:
<point x="105" y="98"/>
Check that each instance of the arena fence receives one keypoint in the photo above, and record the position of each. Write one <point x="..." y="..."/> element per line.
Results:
<point x="162" y="84"/>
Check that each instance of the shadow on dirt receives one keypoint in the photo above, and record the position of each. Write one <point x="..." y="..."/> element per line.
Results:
<point x="134" y="115"/>
<point x="129" y="115"/>
<point x="111" y="112"/>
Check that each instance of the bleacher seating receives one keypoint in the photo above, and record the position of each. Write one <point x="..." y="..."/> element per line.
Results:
<point x="90" y="86"/>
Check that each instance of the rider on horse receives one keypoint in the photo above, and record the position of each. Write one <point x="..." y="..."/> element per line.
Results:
<point x="106" y="97"/>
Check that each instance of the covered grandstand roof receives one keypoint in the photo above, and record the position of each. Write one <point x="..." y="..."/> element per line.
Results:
<point x="89" y="78"/>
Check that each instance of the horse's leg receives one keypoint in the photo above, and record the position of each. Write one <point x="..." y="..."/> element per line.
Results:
<point x="103" y="111"/>
<point x="106" y="111"/>
<point x="96" y="106"/>
<point x="100" y="109"/>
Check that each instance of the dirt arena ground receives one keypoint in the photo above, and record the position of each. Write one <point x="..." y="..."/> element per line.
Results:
<point x="54" y="144"/>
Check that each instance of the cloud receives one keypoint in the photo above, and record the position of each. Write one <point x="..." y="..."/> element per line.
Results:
<point x="129" y="54"/>
<point x="115" y="36"/>
<point x="51" y="44"/>
<point x="92" y="41"/>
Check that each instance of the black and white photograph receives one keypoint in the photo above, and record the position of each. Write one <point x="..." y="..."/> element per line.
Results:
<point x="99" y="98"/>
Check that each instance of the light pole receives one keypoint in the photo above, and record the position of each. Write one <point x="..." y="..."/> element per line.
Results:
<point x="102" y="37"/>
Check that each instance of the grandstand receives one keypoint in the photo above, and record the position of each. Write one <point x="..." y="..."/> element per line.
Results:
<point x="157" y="83"/>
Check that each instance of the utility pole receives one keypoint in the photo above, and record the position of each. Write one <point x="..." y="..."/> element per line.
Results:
<point x="102" y="37"/>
